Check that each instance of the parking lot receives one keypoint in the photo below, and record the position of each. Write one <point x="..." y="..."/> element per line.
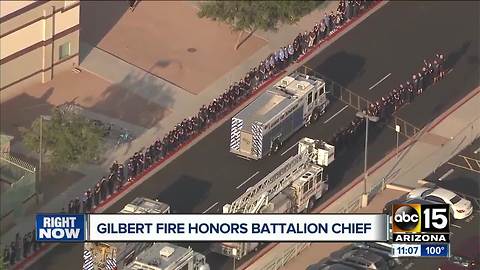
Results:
<point x="460" y="174"/>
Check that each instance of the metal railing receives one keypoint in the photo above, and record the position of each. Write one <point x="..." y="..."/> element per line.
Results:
<point x="21" y="179"/>
<point x="5" y="157"/>
<point x="285" y="256"/>
<point x="357" y="102"/>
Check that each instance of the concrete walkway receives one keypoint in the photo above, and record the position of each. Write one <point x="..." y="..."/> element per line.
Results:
<point x="458" y="127"/>
<point x="182" y="104"/>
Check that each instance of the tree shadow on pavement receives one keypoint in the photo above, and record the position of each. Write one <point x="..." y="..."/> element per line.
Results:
<point x="184" y="194"/>
<point x="22" y="110"/>
<point x="139" y="100"/>
<point x="342" y="67"/>
<point x="97" y="18"/>
<point x="349" y="161"/>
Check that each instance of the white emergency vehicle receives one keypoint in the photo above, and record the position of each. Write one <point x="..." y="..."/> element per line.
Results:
<point x="295" y="101"/>
<point x="293" y="187"/>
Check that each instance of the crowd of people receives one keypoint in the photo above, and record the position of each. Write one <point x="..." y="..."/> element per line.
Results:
<point x="20" y="248"/>
<point x="237" y="92"/>
<point x="432" y="71"/>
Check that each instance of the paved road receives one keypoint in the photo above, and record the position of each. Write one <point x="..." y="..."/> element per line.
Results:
<point x="395" y="41"/>
<point x="207" y="173"/>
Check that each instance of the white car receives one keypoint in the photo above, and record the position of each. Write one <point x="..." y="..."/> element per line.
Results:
<point x="460" y="208"/>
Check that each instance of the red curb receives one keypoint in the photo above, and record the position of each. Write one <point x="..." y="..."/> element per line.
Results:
<point x="32" y="256"/>
<point x="374" y="168"/>
<point x="155" y="165"/>
<point x="158" y="163"/>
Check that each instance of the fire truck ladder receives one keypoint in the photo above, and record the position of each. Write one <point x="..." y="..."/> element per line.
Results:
<point x="272" y="184"/>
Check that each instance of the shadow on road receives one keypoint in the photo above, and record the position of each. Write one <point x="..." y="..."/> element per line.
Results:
<point x="454" y="57"/>
<point x="194" y="189"/>
<point x="342" y="67"/>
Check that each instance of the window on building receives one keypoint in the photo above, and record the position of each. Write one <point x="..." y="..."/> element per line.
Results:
<point x="309" y="100"/>
<point x="64" y="51"/>
<point x="316" y="95"/>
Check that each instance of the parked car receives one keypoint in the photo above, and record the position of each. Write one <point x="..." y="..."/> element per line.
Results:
<point x="387" y="209"/>
<point x="382" y="249"/>
<point x="460" y="208"/>
<point x="330" y="266"/>
<point x="359" y="258"/>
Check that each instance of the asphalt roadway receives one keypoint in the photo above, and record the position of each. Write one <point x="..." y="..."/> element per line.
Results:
<point x="393" y="40"/>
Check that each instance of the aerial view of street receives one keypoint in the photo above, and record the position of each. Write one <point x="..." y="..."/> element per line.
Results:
<point x="200" y="108"/>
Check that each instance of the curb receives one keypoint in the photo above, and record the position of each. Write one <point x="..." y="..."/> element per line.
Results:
<point x="155" y="167"/>
<point x="374" y="168"/>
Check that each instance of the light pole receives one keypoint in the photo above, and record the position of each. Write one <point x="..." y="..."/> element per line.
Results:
<point x="234" y="253"/>
<point x="365" y="173"/>
<point x="397" y="131"/>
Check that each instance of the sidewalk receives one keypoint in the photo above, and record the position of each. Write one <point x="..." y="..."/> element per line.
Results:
<point x="417" y="159"/>
<point x="182" y="104"/>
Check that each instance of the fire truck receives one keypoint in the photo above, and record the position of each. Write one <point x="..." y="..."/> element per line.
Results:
<point x="166" y="256"/>
<point x="293" y="187"/>
<point x="295" y="101"/>
<point x="132" y="255"/>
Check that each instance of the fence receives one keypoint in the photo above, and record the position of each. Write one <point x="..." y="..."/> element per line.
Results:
<point x="291" y="252"/>
<point x="18" y="183"/>
<point x="356" y="101"/>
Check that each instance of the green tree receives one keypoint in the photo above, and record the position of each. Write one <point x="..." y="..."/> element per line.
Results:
<point x="68" y="139"/>
<point x="253" y="15"/>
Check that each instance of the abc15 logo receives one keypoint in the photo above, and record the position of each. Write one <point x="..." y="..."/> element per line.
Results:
<point x="421" y="218"/>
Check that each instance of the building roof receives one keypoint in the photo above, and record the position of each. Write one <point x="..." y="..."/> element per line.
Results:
<point x="142" y="205"/>
<point x="276" y="99"/>
<point x="161" y="256"/>
<point x="7" y="7"/>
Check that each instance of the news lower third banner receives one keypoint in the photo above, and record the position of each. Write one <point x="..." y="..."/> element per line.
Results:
<point x="212" y="227"/>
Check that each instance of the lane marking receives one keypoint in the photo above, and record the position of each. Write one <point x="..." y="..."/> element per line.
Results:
<point x="290" y="148"/>
<point x="456" y="226"/>
<point x="326" y="121"/>
<point x="248" y="179"/>
<point x="210" y="208"/>
<point x="381" y="80"/>
<point x="446" y="174"/>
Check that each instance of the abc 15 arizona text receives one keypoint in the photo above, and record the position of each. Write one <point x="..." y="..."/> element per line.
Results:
<point x="421" y="223"/>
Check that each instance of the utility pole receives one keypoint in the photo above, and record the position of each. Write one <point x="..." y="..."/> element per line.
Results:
<point x="397" y="131"/>
<point x="367" y="118"/>
<point x="40" y="158"/>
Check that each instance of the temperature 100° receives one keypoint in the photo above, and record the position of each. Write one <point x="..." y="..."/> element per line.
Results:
<point x="435" y="250"/>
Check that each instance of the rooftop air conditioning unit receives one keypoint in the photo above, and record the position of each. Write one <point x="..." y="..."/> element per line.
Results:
<point x="167" y="252"/>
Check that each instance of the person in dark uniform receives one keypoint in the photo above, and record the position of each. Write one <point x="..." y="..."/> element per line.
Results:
<point x="421" y="83"/>
<point x="71" y="207"/>
<point x="13" y="253"/>
<point x="103" y="188"/>
<point x="6" y="255"/>
<point x="96" y="194"/>
<point x="441" y="65"/>
<point x="436" y="71"/>
<point x="25" y="246"/>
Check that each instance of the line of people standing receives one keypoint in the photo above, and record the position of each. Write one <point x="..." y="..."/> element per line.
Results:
<point x="431" y="72"/>
<point x="238" y="92"/>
